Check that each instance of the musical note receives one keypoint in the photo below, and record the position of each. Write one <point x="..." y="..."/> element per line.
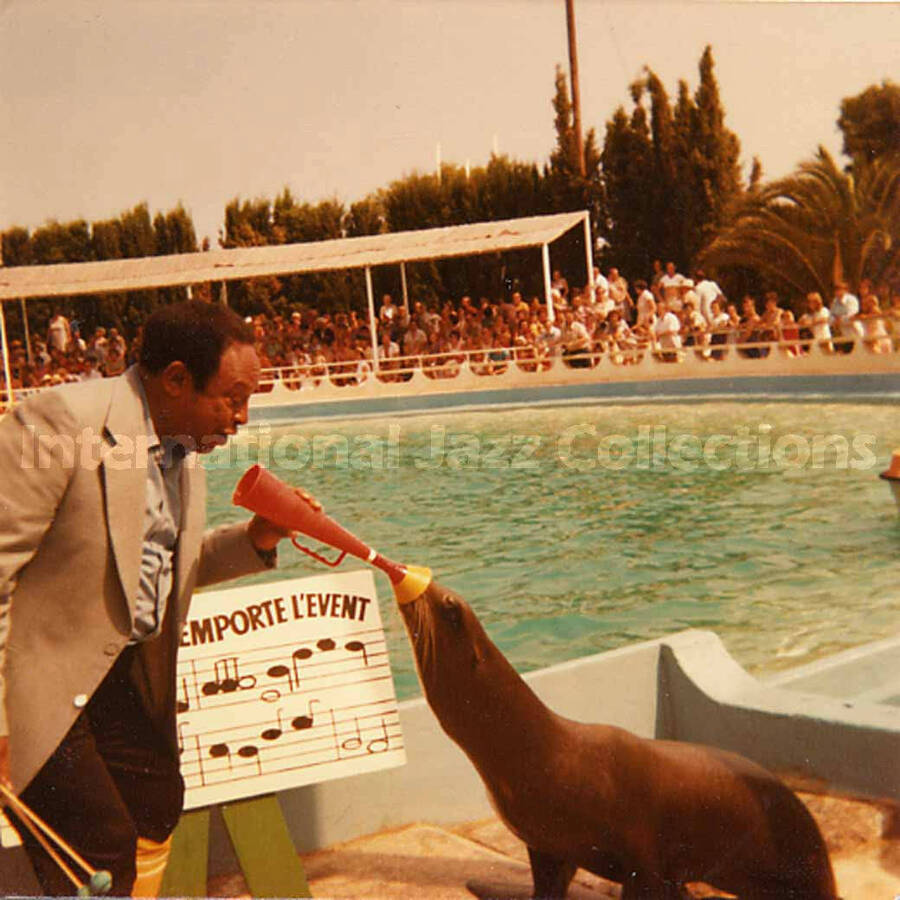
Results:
<point x="181" y="727"/>
<point x="379" y="744"/>
<point x="250" y="751"/>
<point x="355" y="741"/>
<point x="358" y="647"/>
<point x="185" y="704"/>
<point x="217" y="751"/>
<point x="200" y="771"/>
<point x="326" y="644"/>
<point x="279" y="671"/>
<point x="296" y="658"/>
<point x="227" y="678"/>
<point x="301" y="723"/>
<point x="272" y="734"/>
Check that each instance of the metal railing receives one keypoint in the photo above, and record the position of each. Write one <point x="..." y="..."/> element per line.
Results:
<point x="712" y="346"/>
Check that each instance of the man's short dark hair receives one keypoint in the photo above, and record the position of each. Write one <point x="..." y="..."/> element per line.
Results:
<point x="196" y="333"/>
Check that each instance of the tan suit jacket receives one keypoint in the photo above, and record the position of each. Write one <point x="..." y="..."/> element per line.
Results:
<point x="73" y="482"/>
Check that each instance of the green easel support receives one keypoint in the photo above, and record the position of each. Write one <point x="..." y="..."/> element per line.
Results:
<point x="262" y="843"/>
<point x="186" y="871"/>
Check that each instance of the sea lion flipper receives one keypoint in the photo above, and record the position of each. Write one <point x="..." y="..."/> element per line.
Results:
<point x="551" y="874"/>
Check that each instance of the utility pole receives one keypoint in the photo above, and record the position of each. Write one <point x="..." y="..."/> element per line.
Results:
<point x="576" y="91"/>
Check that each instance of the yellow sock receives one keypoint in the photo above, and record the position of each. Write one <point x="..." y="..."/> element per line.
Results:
<point x="151" y="859"/>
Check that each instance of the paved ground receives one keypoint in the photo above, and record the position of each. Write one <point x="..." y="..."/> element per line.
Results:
<point x="434" y="863"/>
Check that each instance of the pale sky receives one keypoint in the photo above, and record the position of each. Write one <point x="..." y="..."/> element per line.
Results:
<point x="104" y="105"/>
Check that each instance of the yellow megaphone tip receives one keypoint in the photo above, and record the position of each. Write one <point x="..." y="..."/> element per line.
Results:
<point x="413" y="584"/>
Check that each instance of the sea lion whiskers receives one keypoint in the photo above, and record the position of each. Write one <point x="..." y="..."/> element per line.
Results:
<point x="421" y="632"/>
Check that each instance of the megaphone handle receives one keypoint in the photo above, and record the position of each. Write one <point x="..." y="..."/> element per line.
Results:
<point x="318" y="556"/>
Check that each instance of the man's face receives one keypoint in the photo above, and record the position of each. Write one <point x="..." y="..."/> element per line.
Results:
<point x="210" y="416"/>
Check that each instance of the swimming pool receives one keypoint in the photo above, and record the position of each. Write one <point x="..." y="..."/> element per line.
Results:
<point x="579" y="529"/>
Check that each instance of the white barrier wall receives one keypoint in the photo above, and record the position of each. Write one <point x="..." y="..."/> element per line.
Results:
<point x="691" y="365"/>
<point x="848" y="746"/>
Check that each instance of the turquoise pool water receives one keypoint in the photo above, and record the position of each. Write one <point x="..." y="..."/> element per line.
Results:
<point x="579" y="529"/>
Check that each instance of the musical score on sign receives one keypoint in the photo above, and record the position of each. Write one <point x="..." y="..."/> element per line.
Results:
<point x="282" y="685"/>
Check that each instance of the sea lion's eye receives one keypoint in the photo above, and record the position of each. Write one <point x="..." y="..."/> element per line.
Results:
<point x="451" y="612"/>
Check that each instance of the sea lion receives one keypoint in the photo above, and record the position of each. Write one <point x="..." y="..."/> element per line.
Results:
<point x="652" y="815"/>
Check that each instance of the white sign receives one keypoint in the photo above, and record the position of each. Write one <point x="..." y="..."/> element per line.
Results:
<point x="282" y="685"/>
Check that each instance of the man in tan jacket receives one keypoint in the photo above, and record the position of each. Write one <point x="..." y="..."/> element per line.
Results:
<point x="102" y="510"/>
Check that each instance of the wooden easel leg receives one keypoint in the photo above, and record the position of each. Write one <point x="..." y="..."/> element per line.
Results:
<point x="264" y="848"/>
<point x="186" y="871"/>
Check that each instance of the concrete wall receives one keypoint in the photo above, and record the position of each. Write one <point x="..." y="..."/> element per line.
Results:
<point x="869" y="674"/>
<point x="849" y="746"/>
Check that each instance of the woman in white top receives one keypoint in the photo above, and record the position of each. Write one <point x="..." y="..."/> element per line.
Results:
<point x="667" y="333"/>
<point x="874" y="335"/>
<point x="646" y="306"/>
<point x="59" y="333"/>
<point x="816" y="319"/>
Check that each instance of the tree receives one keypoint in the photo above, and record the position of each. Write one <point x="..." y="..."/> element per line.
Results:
<point x="294" y="222"/>
<point x="627" y="171"/>
<point x="250" y="224"/>
<point x="870" y="122"/>
<point x="671" y="173"/>
<point x="16" y="247"/>
<point x="566" y="189"/>
<point x="59" y="243"/>
<point x="715" y="156"/>
<point x="667" y="218"/>
<point x="818" y="226"/>
<point x="174" y="232"/>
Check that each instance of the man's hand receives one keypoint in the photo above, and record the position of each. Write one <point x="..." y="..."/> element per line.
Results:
<point x="265" y="535"/>
<point x="4" y="761"/>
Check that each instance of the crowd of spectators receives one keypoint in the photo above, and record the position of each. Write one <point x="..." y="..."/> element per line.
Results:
<point x="65" y="355"/>
<point x="663" y="315"/>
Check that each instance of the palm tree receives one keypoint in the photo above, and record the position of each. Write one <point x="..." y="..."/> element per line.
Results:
<point x="817" y="226"/>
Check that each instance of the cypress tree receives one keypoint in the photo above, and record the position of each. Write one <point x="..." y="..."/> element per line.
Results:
<point x="627" y="173"/>
<point x="717" y="152"/>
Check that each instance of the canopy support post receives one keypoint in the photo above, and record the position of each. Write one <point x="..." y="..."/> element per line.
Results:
<point x="589" y="254"/>
<point x="403" y="282"/>
<point x="370" y="298"/>
<point x="10" y="396"/>
<point x="27" y="333"/>
<point x="545" y="256"/>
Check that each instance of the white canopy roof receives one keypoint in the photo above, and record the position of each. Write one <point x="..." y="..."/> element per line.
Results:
<point x="66" y="279"/>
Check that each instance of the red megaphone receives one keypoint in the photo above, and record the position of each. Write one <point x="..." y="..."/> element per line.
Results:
<point x="268" y="496"/>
